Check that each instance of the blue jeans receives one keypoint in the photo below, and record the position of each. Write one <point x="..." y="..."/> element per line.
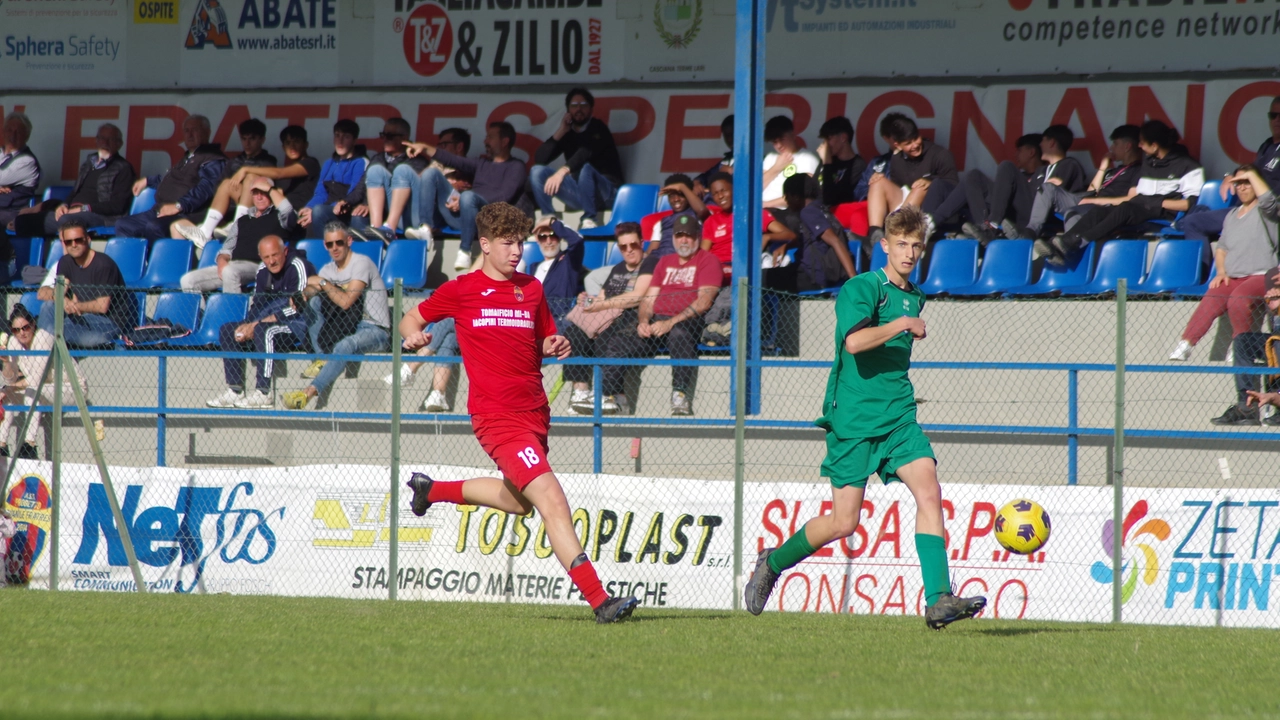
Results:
<point x="428" y="206"/>
<point x="367" y="338"/>
<point x="444" y="340"/>
<point x="587" y="192"/>
<point x="1199" y="225"/>
<point x="87" y="330"/>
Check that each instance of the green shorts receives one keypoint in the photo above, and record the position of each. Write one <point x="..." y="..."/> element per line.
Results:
<point x="852" y="462"/>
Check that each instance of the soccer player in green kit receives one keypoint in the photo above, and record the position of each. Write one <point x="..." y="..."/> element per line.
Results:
<point x="869" y="414"/>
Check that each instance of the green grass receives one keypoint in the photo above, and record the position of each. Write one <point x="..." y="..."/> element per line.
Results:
<point x="104" y="655"/>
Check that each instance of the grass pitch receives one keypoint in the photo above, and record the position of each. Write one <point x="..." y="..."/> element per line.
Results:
<point x="102" y="655"/>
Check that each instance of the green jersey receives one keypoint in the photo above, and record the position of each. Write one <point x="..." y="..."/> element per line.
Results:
<point x="869" y="394"/>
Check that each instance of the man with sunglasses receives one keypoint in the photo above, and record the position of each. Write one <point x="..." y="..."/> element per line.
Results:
<point x="348" y="302"/>
<point x="1199" y="223"/>
<point x="592" y="170"/>
<point x="237" y="261"/>
<point x="380" y="181"/>
<point x="97" y="307"/>
<point x="559" y="271"/>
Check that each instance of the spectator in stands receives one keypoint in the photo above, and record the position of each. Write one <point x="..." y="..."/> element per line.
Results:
<point x="684" y="200"/>
<point x="102" y="193"/>
<point x="1117" y="173"/>
<point x="842" y="166"/>
<point x="878" y="169"/>
<point x="592" y="170"/>
<point x="787" y="159"/>
<point x="608" y="318"/>
<point x="1249" y="349"/>
<point x="559" y="271"/>
<point x="340" y="173"/>
<point x="822" y="257"/>
<point x="19" y="173"/>
<point x="22" y="374"/>
<point x="1170" y="183"/>
<point x="702" y="183"/>
<point x="496" y="178"/>
<point x="276" y="322"/>
<point x="990" y="204"/>
<point x="185" y="191"/>
<point x="297" y="179"/>
<point x="921" y="174"/>
<point x="717" y="232"/>
<point x="1245" y="253"/>
<point x="97" y="309"/>
<point x="380" y="180"/>
<point x="683" y="289"/>
<point x="237" y="262"/>
<point x="444" y="342"/>
<point x="349" y="305"/>
<point x="1201" y="223"/>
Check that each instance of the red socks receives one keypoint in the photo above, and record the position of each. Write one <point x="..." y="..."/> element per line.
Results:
<point x="588" y="583"/>
<point x="449" y="492"/>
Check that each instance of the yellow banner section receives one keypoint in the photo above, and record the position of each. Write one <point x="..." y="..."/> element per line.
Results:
<point x="156" y="11"/>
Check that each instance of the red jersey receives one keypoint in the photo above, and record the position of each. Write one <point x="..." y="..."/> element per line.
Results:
<point x="678" y="281"/>
<point x="719" y="230"/>
<point x="500" y="326"/>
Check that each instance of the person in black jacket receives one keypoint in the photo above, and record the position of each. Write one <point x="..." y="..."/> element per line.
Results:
<point x="185" y="191"/>
<point x="102" y="193"/>
<point x="592" y="170"/>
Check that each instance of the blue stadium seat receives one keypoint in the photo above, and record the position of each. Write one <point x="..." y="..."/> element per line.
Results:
<point x="532" y="255"/>
<point x="139" y="308"/>
<point x="1117" y="259"/>
<point x="142" y="202"/>
<point x="953" y="263"/>
<point x="26" y="251"/>
<point x="594" y="252"/>
<point x="632" y="203"/>
<point x="220" y="309"/>
<point x="170" y="260"/>
<point x="32" y="303"/>
<point x="179" y="308"/>
<point x="1005" y="264"/>
<point x="313" y="249"/>
<point x="1052" y="279"/>
<point x="1175" y="264"/>
<point x="614" y="256"/>
<point x="55" y="254"/>
<point x="58" y="192"/>
<point x="407" y="260"/>
<point x="663" y="204"/>
<point x="878" y="259"/>
<point x="371" y="249"/>
<point x="209" y="256"/>
<point x="130" y="255"/>
<point x="1209" y="198"/>
<point x="1202" y="288"/>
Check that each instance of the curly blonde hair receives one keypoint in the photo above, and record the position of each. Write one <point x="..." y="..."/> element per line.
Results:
<point x="502" y="220"/>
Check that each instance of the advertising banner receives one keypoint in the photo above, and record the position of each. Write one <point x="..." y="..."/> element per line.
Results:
<point x="258" y="43"/>
<point x="1189" y="556"/>
<point x="503" y="43"/>
<point x="63" y="43"/>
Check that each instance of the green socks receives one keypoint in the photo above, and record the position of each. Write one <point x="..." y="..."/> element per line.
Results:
<point x="933" y="566"/>
<point x="794" y="550"/>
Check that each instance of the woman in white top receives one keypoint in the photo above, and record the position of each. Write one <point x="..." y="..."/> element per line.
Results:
<point x="22" y="375"/>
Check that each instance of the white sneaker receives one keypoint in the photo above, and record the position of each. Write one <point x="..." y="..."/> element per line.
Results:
<point x="463" y="261"/>
<point x="1231" y="354"/>
<point x="435" y="402"/>
<point x="766" y="261"/>
<point x="222" y="231"/>
<point x="582" y="402"/>
<point x="256" y="399"/>
<point x="195" y="234"/>
<point x="422" y="232"/>
<point x="1182" y="351"/>
<point x="406" y="376"/>
<point x="609" y="406"/>
<point x="227" y="399"/>
<point x="680" y="404"/>
<point x="587" y="224"/>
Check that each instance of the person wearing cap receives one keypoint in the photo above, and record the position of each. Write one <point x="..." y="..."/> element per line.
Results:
<point x="683" y="289"/>
<point x="237" y="261"/>
<point x="561" y="270"/>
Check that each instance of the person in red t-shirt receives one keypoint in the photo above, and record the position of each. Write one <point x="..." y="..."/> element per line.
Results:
<point x="717" y="231"/>
<point x="683" y="288"/>
<point x="504" y="330"/>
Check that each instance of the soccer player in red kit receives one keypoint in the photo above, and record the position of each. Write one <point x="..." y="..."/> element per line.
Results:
<point x="504" y="330"/>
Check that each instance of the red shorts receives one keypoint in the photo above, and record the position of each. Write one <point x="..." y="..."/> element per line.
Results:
<point x="517" y="442"/>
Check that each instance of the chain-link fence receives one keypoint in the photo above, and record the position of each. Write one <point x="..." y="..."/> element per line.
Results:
<point x="1018" y="396"/>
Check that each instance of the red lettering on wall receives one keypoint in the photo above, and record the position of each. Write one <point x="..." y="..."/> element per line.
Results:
<point x="869" y="509"/>
<point x="673" y="159"/>
<point x="899" y="586"/>
<point x="966" y="111"/>
<point x="74" y="142"/>
<point x="1229" y="118"/>
<point x="297" y="114"/>
<point x="229" y="128"/>
<point x="801" y="113"/>
<point x="1143" y="105"/>
<point x="136" y="144"/>
<point x="1077" y="103"/>
<point x="528" y="143"/>
<point x="975" y="529"/>
<point x="646" y="117"/>
<point x="1021" y="598"/>
<point x="808" y="590"/>
<point x="828" y="551"/>
<point x="825" y="584"/>
<point x="767" y="521"/>
<point x="868" y="129"/>
<point x="889" y="534"/>
<point x="857" y="590"/>
<point x="425" y="128"/>
<point x="365" y="111"/>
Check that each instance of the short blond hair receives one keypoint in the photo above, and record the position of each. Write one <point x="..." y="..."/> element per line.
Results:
<point x="502" y="220"/>
<point x="906" y="221"/>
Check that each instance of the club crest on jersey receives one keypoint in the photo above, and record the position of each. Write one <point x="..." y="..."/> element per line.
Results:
<point x="519" y="293"/>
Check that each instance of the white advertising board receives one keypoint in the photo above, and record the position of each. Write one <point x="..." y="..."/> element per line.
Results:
<point x="63" y="43"/>
<point x="1190" y="556"/>
<point x="258" y="43"/>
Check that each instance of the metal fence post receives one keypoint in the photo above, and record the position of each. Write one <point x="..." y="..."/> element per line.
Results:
<point x="393" y="512"/>
<point x="55" y="438"/>
<point x="1117" y="484"/>
<point x="1073" y="426"/>
<point x="739" y="440"/>
<point x="162" y="400"/>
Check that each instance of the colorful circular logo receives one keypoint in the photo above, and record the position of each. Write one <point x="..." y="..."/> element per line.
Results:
<point x="428" y="39"/>
<point x="28" y="503"/>
<point x="1140" y="560"/>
